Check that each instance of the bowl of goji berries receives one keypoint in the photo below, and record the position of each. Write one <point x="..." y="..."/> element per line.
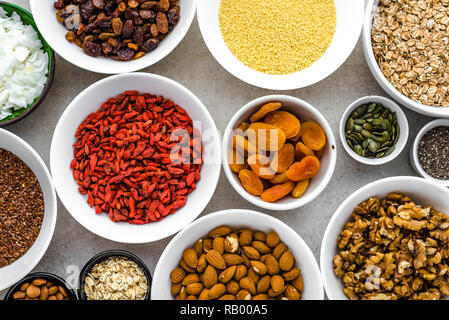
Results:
<point x="135" y="157"/>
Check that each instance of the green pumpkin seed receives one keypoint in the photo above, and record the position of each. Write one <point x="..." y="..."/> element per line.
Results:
<point x="349" y="124"/>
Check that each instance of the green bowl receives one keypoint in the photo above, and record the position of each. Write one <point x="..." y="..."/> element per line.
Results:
<point x="27" y="19"/>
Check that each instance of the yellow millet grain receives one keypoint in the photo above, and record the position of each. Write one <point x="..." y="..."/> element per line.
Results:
<point x="277" y="36"/>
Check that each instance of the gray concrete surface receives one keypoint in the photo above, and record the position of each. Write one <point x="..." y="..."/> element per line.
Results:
<point x="192" y="65"/>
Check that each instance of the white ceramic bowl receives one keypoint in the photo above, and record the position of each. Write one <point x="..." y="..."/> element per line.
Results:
<point x="236" y="218"/>
<point x="422" y="191"/>
<point x="21" y="267"/>
<point x="303" y="110"/>
<point x="414" y="152"/>
<point x="349" y="25"/>
<point x="403" y="129"/>
<point x="440" y="112"/>
<point x="54" y="33"/>
<point x="89" y="101"/>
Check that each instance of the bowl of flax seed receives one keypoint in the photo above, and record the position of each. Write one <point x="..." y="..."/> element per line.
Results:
<point x="28" y="208"/>
<point x="280" y="44"/>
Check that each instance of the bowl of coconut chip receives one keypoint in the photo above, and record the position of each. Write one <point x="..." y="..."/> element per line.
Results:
<point x="27" y="64"/>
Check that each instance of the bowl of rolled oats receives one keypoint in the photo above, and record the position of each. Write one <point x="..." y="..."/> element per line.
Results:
<point x="389" y="241"/>
<point x="115" y="275"/>
<point x="405" y="46"/>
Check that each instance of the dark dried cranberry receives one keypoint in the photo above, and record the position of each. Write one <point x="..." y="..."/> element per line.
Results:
<point x="87" y="9"/>
<point x="125" y="54"/>
<point x="138" y="36"/>
<point x="92" y="49"/>
<point x="128" y="29"/>
<point x="150" y="44"/>
<point x="59" y="5"/>
<point x="173" y="18"/>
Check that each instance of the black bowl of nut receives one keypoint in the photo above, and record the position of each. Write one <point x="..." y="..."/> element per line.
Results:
<point x="115" y="275"/>
<point x="41" y="286"/>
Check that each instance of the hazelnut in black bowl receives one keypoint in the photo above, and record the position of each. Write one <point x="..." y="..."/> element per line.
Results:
<point x="115" y="275"/>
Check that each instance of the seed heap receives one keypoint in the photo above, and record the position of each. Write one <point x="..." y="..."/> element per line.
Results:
<point x="277" y="36"/>
<point x="433" y="152"/>
<point x="372" y="131"/>
<point x="21" y="208"/>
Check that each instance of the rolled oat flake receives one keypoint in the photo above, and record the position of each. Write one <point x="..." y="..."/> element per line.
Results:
<point x="433" y="152"/>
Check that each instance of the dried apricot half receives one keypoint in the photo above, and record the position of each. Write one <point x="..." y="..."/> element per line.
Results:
<point x="302" y="151"/>
<point x="236" y="161"/>
<point x="277" y="192"/>
<point x="267" y="136"/>
<point x="285" y="121"/>
<point x="283" y="158"/>
<point x="305" y="169"/>
<point x="313" y="135"/>
<point x="264" y="110"/>
<point x="261" y="166"/>
<point x="251" y="182"/>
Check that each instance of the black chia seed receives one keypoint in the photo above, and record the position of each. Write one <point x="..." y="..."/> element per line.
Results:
<point x="433" y="152"/>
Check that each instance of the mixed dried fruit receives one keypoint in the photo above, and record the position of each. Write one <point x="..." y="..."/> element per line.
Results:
<point x="41" y="289"/>
<point x="21" y="208"/>
<point x="372" y="130"/>
<point x="137" y="158"/>
<point x="275" y="154"/>
<point x="118" y="29"/>
<point x="394" y="249"/>
<point x="116" y="278"/>
<point x="238" y="264"/>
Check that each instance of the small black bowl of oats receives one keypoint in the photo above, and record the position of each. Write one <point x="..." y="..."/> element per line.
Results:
<point x="115" y="275"/>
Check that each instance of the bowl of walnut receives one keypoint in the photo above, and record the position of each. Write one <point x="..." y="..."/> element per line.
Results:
<point x="389" y="241"/>
<point x="405" y="46"/>
<point x="113" y="36"/>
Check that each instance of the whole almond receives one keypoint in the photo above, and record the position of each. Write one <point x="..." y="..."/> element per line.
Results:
<point x="32" y="291"/>
<point x="220" y="232"/>
<point x="183" y="293"/>
<point x="39" y="282"/>
<point x="264" y="284"/>
<point x="198" y="246"/>
<point x="292" y="274"/>
<point x="226" y="275"/>
<point x="194" y="288"/>
<point x="286" y="261"/>
<point x="272" y="239"/>
<point x="218" y="244"/>
<point x="202" y="263"/>
<point x="240" y="272"/>
<point x="184" y="265"/>
<point x="59" y="296"/>
<point x="44" y="293"/>
<point x="274" y="294"/>
<point x="251" y="253"/>
<point x="277" y="283"/>
<point x="204" y="295"/>
<point x="175" y="289"/>
<point x="24" y="286"/>
<point x="261" y="296"/>
<point x="272" y="265"/>
<point x="298" y="283"/>
<point x="207" y="245"/>
<point x="63" y="291"/>
<point x="176" y="276"/>
<point x="190" y="278"/>
<point x="232" y="259"/>
<point x="54" y="289"/>
<point x="246" y="260"/>
<point x="209" y="277"/>
<point x="259" y="267"/>
<point x="261" y="247"/>
<point x="232" y="287"/>
<point x="227" y="297"/>
<point x="279" y="250"/>
<point x="190" y="257"/>
<point x="291" y="293"/>
<point x="217" y="291"/>
<point x="19" y="295"/>
<point x="191" y="297"/>
<point x="243" y="295"/>
<point x="260" y="236"/>
<point x="231" y="243"/>
<point x="215" y="259"/>
<point x="253" y="275"/>
<point x="246" y="237"/>
<point x="248" y="284"/>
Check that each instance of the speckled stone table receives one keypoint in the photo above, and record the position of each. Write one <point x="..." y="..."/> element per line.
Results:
<point x="192" y="65"/>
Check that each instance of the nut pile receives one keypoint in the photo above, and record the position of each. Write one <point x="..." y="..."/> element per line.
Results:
<point x="409" y="40"/>
<point x="394" y="249"/>
<point x="274" y="154"/>
<point x="121" y="30"/>
<point x="41" y="289"/>
<point x="116" y="278"/>
<point x="237" y="265"/>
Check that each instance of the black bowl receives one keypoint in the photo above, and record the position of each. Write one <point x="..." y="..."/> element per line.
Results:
<point x="105" y="255"/>
<point x="45" y="275"/>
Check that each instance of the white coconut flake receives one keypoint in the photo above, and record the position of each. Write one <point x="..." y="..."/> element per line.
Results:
<point x="23" y="64"/>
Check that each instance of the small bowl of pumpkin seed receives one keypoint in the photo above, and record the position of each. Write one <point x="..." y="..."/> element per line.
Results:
<point x="374" y="130"/>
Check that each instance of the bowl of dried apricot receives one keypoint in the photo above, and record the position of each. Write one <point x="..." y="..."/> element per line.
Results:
<point x="279" y="152"/>
<point x="237" y="255"/>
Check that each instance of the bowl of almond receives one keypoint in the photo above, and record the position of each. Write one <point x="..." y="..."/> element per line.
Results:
<point x="237" y="255"/>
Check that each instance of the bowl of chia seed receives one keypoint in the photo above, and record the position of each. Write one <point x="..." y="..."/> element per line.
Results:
<point x="430" y="151"/>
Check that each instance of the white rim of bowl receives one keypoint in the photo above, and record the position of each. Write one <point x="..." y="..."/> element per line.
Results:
<point x="272" y="78"/>
<point x="403" y="131"/>
<point x="255" y="200"/>
<point x="211" y="216"/>
<point x="94" y="86"/>
<point x="379" y="76"/>
<point x="41" y="163"/>
<point x="414" y="154"/>
<point x="339" y="212"/>
<point x="98" y="69"/>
